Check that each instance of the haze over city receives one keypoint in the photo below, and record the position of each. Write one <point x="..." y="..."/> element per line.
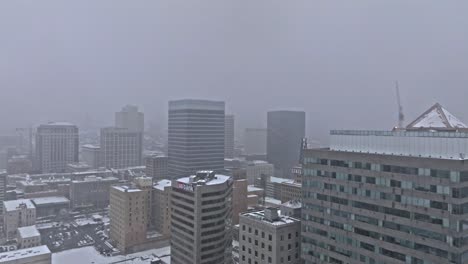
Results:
<point x="336" y="60"/>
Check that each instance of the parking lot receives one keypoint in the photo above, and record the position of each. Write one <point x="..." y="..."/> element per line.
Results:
<point x="64" y="236"/>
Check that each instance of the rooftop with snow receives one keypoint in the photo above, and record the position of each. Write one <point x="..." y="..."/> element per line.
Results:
<point x="435" y="134"/>
<point x="23" y="253"/>
<point x="28" y="232"/>
<point x="204" y="178"/>
<point x="16" y="204"/>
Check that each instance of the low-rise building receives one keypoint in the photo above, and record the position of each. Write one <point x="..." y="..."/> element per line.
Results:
<point x="18" y="213"/>
<point x="51" y="206"/>
<point x="267" y="237"/>
<point x="290" y="191"/>
<point x="91" y="192"/>
<point x="28" y="237"/>
<point x="156" y="167"/>
<point x="161" y="207"/>
<point x="35" y="255"/>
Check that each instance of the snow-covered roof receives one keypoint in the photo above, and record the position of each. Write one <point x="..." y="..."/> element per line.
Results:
<point x="126" y="188"/>
<point x="437" y="117"/>
<point x="252" y="188"/>
<point x="28" y="231"/>
<point x="23" y="253"/>
<point x="217" y="179"/>
<point x="280" y="221"/>
<point x="280" y="180"/>
<point x="14" y="204"/>
<point x="50" y="200"/>
<point x="160" y="185"/>
<point x="91" y="146"/>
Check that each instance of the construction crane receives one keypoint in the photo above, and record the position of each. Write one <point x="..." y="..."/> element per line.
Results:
<point x="401" y="116"/>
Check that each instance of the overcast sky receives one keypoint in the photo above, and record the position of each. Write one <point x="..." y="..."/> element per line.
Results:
<point x="337" y="60"/>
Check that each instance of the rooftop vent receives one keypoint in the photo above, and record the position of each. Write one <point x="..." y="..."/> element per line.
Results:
<point x="271" y="214"/>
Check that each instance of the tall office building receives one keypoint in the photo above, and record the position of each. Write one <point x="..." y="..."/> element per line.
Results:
<point x="286" y="129"/>
<point x="196" y="136"/>
<point x="56" y="146"/>
<point x="129" y="117"/>
<point x="389" y="196"/>
<point x="229" y="136"/>
<point x="201" y="208"/>
<point x="255" y="140"/>
<point x="121" y="147"/>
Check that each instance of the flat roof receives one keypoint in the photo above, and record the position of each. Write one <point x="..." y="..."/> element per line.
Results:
<point x="160" y="185"/>
<point x="14" y="204"/>
<point x="260" y="217"/>
<point x="24" y="253"/>
<point x="252" y="188"/>
<point x="280" y="180"/>
<point x="50" y="200"/>
<point x="218" y="179"/>
<point x="126" y="188"/>
<point x="28" y="231"/>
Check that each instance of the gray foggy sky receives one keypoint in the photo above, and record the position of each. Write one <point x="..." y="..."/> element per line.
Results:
<point x="337" y="60"/>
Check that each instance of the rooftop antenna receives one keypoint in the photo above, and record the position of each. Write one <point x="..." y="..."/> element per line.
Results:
<point x="401" y="116"/>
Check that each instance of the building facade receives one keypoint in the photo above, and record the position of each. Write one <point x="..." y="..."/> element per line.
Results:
<point x="35" y="255"/>
<point x="130" y="214"/>
<point x="92" y="192"/>
<point x="388" y="196"/>
<point x="56" y="146"/>
<point x="156" y="167"/>
<point x="267" y="237"/>
<point x="121" y="147"/>
<point x="229" y="136"/>
<point x="239" y="199"/>
<point x="201" y="208"/>
<point x="91" y="155"/>
<point x="286" y="129"/>
<point x="28" y="237"/>
<point x="196" y="136"/>
<point x="17" y="213"/>
<point x="255" y="169"/>
<point x="161" y="207"/>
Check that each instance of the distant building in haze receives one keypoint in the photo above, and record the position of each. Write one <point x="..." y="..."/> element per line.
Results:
<point x="196" y="136"/>
<point x="229" y="136"/>
<point x="286" y="129"/>
<point x="91" y="154"/>
<point x="121" y="147"/>
<point x="56" y="146"/>
<point x="156" y="167"/>
<point x="129" y="117"/>
<point x="255" y="140"/>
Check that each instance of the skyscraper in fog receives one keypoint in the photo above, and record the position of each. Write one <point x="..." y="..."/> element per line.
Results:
<point x="285" y="132"/>
<point x="196" y="136"/>
<point x="129" y="117"/>
<point x="201" y="228"/>
<point x="121" y="147"/>
<point x="56" y="146"/>
<point x="229" y="136"/>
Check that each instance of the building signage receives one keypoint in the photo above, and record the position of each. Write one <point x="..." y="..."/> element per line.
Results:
<point x="185" y="186"/>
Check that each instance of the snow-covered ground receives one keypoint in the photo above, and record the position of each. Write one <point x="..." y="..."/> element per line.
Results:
<point x="88" y="255"/>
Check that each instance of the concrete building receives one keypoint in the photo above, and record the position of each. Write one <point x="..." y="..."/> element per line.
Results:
<point x="56" y="146"/>
<point x="286" y="129"/>
<point x="121" y="147"/>
<point x="19" y="164"/>
<point x="229" y="136"/>
<point x="239" y="199"/>
<point x="35" y="255"/>
<point x="78" y="167"/>
<point x="51" y="206"/>
<point x="255" y="169"/>
<point x="91" y="155"/>
<point x="292" y="208"/>
<point x="156" y="167"/>
<point x="267" y="237"/>
<point x="28" y="237"/>
<point x="255" y="140"/>
<point x="161" y="207"/>
<point x="201" y="208"/>
<point x="3" y="189"/>
<point x="130" y="214"/>
<point x="129" y="117"/>
<point x="389" y="196"/>
<point x="196" y="136"/>
<point x="92" y="192"/>
<point x="17" y="213"/>
<point x="290" y="191"/>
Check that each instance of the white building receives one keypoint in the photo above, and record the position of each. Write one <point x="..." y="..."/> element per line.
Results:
<point x="28" y="237"/>
<point x="18" y="213"/>
<point x="91" y="155"/>
<point x="257" y="168"/>
<point x="267" y="237"/>
<point x="201" y="228"/>
<point x="35" y="255"/>
<point x="56" y="146"/>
